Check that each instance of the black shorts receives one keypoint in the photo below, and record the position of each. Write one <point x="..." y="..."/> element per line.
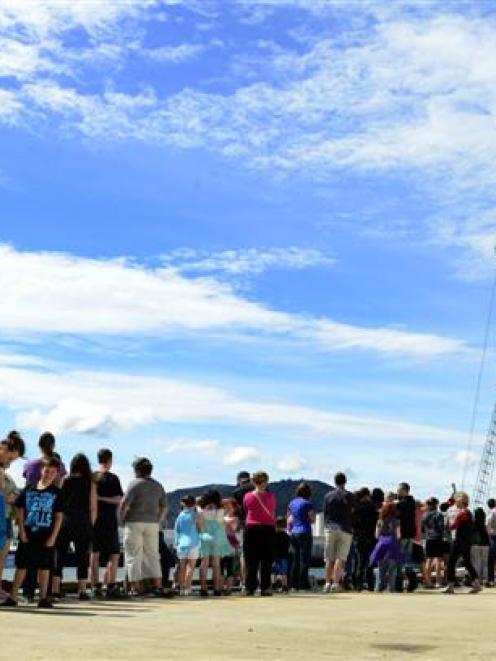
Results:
<point x="35" y="555"/>
<point x="435" y="548"/>
<point x="106" y="538"/>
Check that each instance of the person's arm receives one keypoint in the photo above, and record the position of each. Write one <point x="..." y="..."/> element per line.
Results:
<point x="50" y="542"/>
<point x="124" y="505"/>
<point x="112" y="500"/>
<point x="199" y="522"/>
<point x="312" y="515"/>
<point x="162" y="507"/>
<point x="2" y="479"/>
<point x="93" y="503"/>
<point x="22" y="531"/>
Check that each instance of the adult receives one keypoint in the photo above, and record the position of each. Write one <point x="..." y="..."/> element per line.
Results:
<point x="32" y="468"/>
<point x="301" y="515"/>
<point x="462" y="526"/>
<point x="244" y="486"/>
<point x="106" y="544"/>
<point x="260" y="531"/>
<point x="407" y="513"/>
<point x="141" y="511"/>
<point x="80" y="506"/>
<point x="365" y="516"/>
<point x="11" y="449"/>
<point x="338" y="510"/>
<point x="491" y="531"/>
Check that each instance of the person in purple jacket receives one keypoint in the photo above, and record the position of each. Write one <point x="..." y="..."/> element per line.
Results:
<point x="301" y="513"/>
<point x="32" y="468"/>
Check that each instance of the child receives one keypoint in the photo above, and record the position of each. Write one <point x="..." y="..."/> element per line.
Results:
<point x="433" y="533"/>
<point x="234" y="537"/>
<point x="387" y="552"/>
<point x="463" y="527"/>
<point x="187" y="543"/>
<point x="281" y="562"/>
<point x="479" y="552"/>
<point x="214" y="543"/>
<point x="40" y="519"/>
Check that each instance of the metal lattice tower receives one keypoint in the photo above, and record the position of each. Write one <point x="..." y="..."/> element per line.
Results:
<point x="484" y="482"/>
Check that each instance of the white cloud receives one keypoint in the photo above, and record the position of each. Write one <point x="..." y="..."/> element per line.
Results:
<point x="291" y="464"/>
<point x="60" y="293"/>
<point x="185" y="445"/>
<point x="91" y="402"/>
<point x="466" y="457"/>
<point x="241" y="455"/>
<point x="249" y="260"/>
<point x="175" y="54"/>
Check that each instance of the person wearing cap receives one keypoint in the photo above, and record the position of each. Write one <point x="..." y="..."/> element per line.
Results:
<point x="141" y="510"/>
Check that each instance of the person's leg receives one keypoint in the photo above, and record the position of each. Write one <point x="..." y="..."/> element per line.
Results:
<point x="492" y="559"/>
<point x="133" y="551"/>
<point x="483" y="576"/>
<point x="151" y="556"/>
<point x="295" y="563"/>
<point x="251" y="558"/>
<point x="82" y="543"/>
<point x="205" y="561"/>
<point x="428" y="572"/>
<point x="470" y="568"/>
<point x="392" y="570"/>
<point x="4" y="552"/>
<point x="111" y="569"/>
<point x="329" y="556"/>
<point x="188" y="577"/>
<point x="216" y="574"/>
<point x="95" y="569"/>
<point x="381" y="576"/>
<point x="266" y="550"/>
<point x="305" y="560"/>
<point x="19" y="576"/>
<point x="61" y="557"/>
<point x="342" y="551"/>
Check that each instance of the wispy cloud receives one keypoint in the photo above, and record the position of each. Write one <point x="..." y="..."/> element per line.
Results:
<point x="61" y="293"/>
<point x="249" y="260"/>
<point x="241" y="455"/>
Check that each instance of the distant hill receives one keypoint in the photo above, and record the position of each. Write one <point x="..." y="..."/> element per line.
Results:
<point x="284" y="491"/>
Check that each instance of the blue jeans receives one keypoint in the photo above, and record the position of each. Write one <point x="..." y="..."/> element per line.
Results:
<point x="301" y="557"/>
<point x="388" y="571"/>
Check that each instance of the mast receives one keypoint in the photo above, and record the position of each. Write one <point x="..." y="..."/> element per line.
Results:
<point x="484" y="482"/>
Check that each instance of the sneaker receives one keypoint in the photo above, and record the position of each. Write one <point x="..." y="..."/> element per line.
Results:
<point x="476" y="587"/>
<point x="266" y="593"/>
<point x="217" y="593"/>
<point x="335" y="587"/>
<point x="84" y="596"/>
<point x="45" y="603"/>
<point x="203" y="593"/>
<point x="9" y="603"/>
<point x="449" y="589"/>
<point x="97" y="593"/>
<point x="327" y="588"/>
<point x="249" y="593"/>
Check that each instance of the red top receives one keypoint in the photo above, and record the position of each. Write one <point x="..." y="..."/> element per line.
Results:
<point x="462" y="517"/>
<point x="260" y="508"/>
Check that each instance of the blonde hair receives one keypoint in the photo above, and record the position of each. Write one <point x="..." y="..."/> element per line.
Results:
<point x="462" y="499"/>
<point x="259" y="477"/>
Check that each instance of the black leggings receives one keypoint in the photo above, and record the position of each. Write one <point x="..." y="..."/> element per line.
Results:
<point x="258" y="549"/>
<point x="460" y="550"/>
<point x="81" y="537"/>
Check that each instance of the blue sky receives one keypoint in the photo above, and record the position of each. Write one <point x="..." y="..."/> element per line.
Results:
<point x="240" y="234"/>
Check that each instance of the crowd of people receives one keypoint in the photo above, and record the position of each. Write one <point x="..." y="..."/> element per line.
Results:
<point x="372" y="540"/>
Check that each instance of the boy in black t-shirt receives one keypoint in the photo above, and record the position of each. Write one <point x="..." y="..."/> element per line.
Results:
<point x="106" y="532"/>
<point x="40" y="518"/>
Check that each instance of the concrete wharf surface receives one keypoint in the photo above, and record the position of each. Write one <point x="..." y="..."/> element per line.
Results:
<point x="424" y="625"/>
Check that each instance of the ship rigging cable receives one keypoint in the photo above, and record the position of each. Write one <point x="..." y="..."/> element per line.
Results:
<point x="475" y="409"/>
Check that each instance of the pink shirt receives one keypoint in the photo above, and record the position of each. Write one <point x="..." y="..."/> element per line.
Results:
<point x="256" y="513"/>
